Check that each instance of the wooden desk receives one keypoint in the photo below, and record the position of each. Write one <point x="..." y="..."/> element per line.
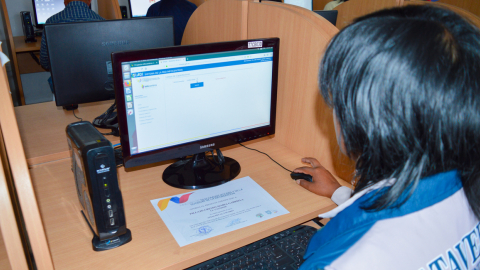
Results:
<point x="20" y="55"/>
<point x="42" y="128"/>
<point x="22" y="46"/>
<point x="153" y="246"/>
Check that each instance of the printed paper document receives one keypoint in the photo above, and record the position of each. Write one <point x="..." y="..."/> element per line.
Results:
<point x="205" y="213"/>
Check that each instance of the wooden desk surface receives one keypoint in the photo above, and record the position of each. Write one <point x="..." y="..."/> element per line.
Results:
<point x="42" y="128"/>
<point x="22" y="46"/>
<point x="153" y="246"/>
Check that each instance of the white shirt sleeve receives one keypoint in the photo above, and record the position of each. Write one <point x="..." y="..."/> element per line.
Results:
<point x="341" y="195"/>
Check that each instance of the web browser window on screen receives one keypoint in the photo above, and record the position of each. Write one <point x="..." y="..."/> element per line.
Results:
<point x="183" y="99"/>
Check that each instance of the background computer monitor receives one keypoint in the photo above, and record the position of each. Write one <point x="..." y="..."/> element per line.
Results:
<point x="189" y="100"/>
<point x="139" y="8"/>
<point x="330" y="15"/>
<point x="80" y="54"/>
<point x="44" y="9"/>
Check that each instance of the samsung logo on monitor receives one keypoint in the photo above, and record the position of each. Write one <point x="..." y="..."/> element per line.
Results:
<point x="115" y="43"/>
<point x="207" y="145"/>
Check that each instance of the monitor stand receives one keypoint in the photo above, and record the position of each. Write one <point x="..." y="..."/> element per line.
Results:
<point x="70" y="107"/>
<point x="201" y="171"/>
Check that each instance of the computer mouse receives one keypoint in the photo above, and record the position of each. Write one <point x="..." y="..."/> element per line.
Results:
<point x="303" y="176"/>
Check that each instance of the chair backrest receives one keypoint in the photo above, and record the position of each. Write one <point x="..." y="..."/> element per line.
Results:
<point x="352" y="9"/>
<point x="109" y="9"/>
<point x="304" y="122"/>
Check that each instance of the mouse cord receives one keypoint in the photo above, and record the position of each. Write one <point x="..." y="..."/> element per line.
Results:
<point x="266" y="155"/>
<point x="77" y="116"/>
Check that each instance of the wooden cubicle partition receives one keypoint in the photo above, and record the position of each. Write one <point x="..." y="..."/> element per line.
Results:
<point x="197" y="2"/>
<point x="12" y="249"/>
<point x="23" y="185"/>
<point x="471" y="6"/>
<point x="474" y="19"/>
<point x="353" y="9"/>
<point x="319" y="4"/>
<point x="109" y="9"/>
<point x="304" y="122"/>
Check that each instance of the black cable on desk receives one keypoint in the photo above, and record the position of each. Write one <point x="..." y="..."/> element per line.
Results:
<point x="266" y="155"/>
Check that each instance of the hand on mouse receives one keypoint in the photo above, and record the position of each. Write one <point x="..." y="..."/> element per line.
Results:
<point x="324" y="184"/>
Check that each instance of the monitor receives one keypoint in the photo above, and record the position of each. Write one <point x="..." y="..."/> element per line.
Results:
<point x="139" y="8"/>
<point x="80" y="54"/>
<point x="188" y="101"/>
<point x="330" y="15"/>
<point x="44" y="9"/>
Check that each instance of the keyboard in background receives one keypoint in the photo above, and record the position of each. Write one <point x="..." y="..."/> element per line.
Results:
<point x="283" y="250"/>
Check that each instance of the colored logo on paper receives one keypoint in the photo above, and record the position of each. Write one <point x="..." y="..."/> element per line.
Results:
<point x="162" y="204"/>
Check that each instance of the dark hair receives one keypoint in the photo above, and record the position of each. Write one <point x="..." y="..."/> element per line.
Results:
<point x="405" y="87"/>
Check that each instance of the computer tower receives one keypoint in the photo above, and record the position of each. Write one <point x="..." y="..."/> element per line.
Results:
<point x="123" y="11"/>
<point x="95" y="171"/>
<point x="27" y="26"/>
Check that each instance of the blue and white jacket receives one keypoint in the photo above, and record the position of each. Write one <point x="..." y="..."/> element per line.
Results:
<point x="435" y="229"/>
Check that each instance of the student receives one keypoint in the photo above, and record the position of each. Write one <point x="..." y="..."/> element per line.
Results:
<point x="181" y="10"/>
<point x="75" y="11"/>
<point x="404" y="85"/>
<point x="333" y="4"/>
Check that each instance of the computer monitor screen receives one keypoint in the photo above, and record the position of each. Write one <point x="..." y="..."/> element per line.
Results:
<point x="80" y="54"/>
<point x="189" y="100"/>
<point x="329" y="15"/>
<point x="44" y="9"/>
<point x="139" y="8"/>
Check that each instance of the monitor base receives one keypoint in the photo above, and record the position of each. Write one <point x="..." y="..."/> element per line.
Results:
<point x="70" y="107"/>
<point x="201" y="171"/>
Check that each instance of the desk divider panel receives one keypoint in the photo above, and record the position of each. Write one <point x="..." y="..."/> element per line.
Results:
<point x="353" y="9"/>
<point x="319" y="4"/>
<point x="214" y="21"/>
<point x="472" y="6"/>
<point x="11" y="240"/>
<point x="474" y="19"/>
<point x="23" y="184"/>
<point x="109" y="9"/>
<point x="304" y="121"/>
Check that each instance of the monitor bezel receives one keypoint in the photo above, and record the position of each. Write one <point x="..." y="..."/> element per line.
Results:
<point x="196" y="147"/>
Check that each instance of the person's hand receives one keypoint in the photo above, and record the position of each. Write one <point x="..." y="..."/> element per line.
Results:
<point x="324" y="184"/>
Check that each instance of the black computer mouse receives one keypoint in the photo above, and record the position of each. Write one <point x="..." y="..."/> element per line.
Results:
<point x="303" y="176"/>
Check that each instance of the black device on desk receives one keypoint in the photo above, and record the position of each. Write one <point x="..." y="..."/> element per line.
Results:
<point x="80" y="54"/>
<point x="191" y="100"/>
<point x="95" y="171"/>
<point x="124" y="12"/>
<point x="330" y="15"/>
<point x="283" y="250"/>
<point x="27" y="26"/>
